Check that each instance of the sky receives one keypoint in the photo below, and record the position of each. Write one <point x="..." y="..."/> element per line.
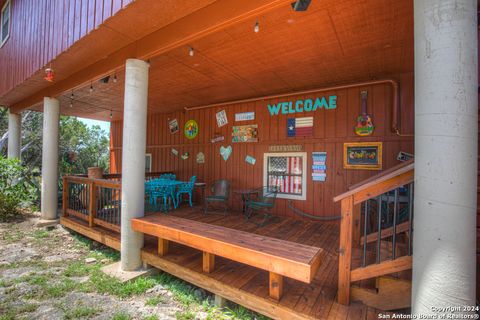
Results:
<point x="105" y="125"/>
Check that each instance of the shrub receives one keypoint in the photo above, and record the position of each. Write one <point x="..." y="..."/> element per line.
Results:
<point x="16" y="188"/>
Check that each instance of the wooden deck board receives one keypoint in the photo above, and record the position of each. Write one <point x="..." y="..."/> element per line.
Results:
<point x="247" y="285"/>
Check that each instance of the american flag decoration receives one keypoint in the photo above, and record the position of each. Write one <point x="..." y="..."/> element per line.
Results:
<point x="300" y="127"/>
<point x="288" y="174"/>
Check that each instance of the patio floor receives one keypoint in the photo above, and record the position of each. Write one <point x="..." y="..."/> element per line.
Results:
<point x="246" y="285"/>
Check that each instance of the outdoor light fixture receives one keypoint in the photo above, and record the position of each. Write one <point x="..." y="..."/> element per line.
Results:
<point x="191" y="52"/>
<point x="71" y="95"/>
<point x="257" y="27"/>
<point x="91" y="88"/>
<point x="301" y="5"/>
<point x="111" y="114"/>
<point x="71" y="103"/>
<point x="49" y="74"/>
<point x="115" y="78"/>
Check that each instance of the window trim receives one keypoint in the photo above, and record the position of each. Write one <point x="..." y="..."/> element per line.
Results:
<point x="303" y="196"/>
<point x="149" y="156"/>
<point x="9" y="4"/>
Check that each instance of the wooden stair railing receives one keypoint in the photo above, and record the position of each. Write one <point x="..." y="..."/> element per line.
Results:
<point x="377" y="188"/>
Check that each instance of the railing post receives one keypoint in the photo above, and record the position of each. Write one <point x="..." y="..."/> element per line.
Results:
<point x="345" y="252"/>
<point x="356" y="224"/>
<point x="92" y="204"/>
<point x="65" y="196"/>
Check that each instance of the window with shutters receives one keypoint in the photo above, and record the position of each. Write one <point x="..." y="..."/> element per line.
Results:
<point x="5" y="22"/>
<point x="286" y="172"/>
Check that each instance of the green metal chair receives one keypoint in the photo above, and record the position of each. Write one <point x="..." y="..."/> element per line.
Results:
<point x="262" y="201"/>
<point x="220" y="193"/>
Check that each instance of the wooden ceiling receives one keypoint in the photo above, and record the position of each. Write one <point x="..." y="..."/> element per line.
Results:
<point x="333" y="42"/>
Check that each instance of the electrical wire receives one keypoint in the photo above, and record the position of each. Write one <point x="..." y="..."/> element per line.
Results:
<point x="320" y="218"/>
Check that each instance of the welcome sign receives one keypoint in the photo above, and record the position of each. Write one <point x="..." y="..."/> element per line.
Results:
<point x="302" y="105"/>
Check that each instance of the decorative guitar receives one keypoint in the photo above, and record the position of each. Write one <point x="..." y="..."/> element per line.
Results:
<point x="364" y="125"/>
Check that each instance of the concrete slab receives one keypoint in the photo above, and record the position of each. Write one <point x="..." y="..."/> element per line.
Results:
<point x="47" y="223"/>
<point x="114" y="270"/>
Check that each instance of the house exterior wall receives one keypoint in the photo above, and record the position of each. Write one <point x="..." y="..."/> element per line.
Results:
<point x="42" y="29"/>
<point x="331" y="129"/>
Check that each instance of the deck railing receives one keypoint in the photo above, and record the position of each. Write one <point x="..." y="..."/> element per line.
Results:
<point x="97" y="201"/>
<point x="375" y="213"/>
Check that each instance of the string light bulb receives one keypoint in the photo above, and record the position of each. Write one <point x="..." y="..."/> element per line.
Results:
<point x="71" y="95"/>
<point x="115" y="78"/>
<point x="257" y="27"/>
<point x="71" y="104"/>
<point x="91" y="88"/>
<point x="191" y="52"/>
<point x="111" y="114"/>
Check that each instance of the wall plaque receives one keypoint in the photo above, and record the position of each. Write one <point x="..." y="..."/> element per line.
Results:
<point x="285" y="148"/>
<point x="362" y="155"/>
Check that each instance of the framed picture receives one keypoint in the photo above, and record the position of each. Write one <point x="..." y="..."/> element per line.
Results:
<point x="247" y="133"/>
<point x="173" y="125"/>
<point x="362" y="155"/>
<point x="221" y="118"/>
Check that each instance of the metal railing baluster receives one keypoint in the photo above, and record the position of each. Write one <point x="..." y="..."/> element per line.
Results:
<point x="394" y="236"/>
<point x="379" y="229"/>
<point x="364" y="258"/>
<point x="410" y="217"/>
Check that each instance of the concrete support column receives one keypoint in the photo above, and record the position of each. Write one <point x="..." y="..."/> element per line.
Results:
<point x="51" y="116"/>
<point x="446" y="152"/>
<point x="14" y="135"/>
<point x="133" y="160"/>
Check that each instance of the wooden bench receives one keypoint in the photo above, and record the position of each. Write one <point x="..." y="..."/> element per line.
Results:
<point x="279" y="257"/>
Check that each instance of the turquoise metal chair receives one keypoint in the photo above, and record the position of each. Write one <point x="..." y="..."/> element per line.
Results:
<point x="220" y="193"/>
<point x="186" y="188"/>
<point x="262" y="201"/>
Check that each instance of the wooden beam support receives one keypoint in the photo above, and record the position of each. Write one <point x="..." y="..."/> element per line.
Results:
<point x="386" y="267"/>
<point x="162" y="247"/>
<point x="92" y="205"/>
<point x="221" y="15"/>
<point x="208" y="262"/>
<point x="275" y="286"/>
<point x="345" y="252"/>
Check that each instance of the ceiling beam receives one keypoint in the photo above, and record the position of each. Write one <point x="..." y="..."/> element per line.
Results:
<point x="210" y="19"/>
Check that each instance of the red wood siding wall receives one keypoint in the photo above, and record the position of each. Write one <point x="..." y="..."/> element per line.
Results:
<point x="42" y="29"/>
<point x="331" y="129"/>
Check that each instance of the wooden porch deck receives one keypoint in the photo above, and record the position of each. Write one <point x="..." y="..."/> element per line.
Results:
<point x="246" y="285"/>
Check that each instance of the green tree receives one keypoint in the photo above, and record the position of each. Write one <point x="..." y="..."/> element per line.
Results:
<point x="80" y="147"/>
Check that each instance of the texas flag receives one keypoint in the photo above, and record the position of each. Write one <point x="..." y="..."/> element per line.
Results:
<point x="300" y="127"/>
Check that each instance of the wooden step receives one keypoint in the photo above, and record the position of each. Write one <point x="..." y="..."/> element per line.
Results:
<point x="391" y="294"/>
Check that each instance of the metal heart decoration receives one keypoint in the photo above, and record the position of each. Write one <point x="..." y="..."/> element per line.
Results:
<point x="225" y="152"/>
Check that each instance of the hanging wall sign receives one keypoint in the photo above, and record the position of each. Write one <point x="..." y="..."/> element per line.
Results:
<point x="319" y="166"/>
<point x="191" y="129"/>
<point x="173" y="125"/>
<point x="364" y="125"/>
<point x="285" y="148"/>
<point x="300" y="127"/>
<point x="200" y="158"/>
<point x="302" y="105"/>
<point x="251" y="160"/>
<point x="246" y="133"/>
<point x="221" y="118"/>
<point x="362" y="155"/>
<point x="245" y="116"/>
<point x="217" y="138"/>
<point x="174" y="152"/>
<point x="225" y="152"/>
<point x="185" y="156"/>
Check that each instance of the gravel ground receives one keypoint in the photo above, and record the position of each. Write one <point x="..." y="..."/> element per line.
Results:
<point x="47" y="274"/>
